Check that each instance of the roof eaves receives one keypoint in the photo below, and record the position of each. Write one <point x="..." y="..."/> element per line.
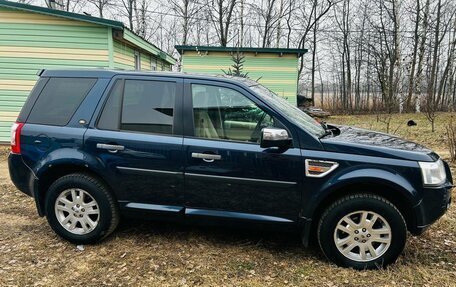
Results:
<point x="137" y="40"/>
<point x="183" y="48"/>
<point x="127" y="34"/>
<point x="63" y="14"/>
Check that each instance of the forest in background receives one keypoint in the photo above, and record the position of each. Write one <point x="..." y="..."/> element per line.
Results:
<point x="385" y="56"/>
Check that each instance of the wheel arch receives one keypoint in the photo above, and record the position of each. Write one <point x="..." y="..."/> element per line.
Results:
<point x="52" y="172"/>
<point x="395" y="190"/>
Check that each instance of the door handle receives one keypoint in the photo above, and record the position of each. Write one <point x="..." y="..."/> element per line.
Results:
<point x="110" y="147"/>
<point x="207" y="157"/>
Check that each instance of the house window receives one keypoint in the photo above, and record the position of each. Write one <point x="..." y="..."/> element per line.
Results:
<point x="137" y="61"/>
<point x="153" y="64"/>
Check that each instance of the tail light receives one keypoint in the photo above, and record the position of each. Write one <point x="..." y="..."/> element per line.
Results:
<point x="16" y="137"/>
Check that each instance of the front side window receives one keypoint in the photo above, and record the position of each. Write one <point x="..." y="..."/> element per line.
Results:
<point x="224" y="113"/>
<point x="147" y="106"/>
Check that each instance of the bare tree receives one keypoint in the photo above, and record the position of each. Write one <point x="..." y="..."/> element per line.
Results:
<point x="141" y="11"/>
<point x="308" y="20"/>
<point x="128" y="5"/>
<point x="289" y="21"/>
<point x="344" y="25"/>
<point x="365" y="55"/>
<point x="431" y="101"/>
<point x="221" y="13"/>
<point x="418" y="79"/>
<point x="270" y="15"/>
<point x="101" y="5"/>
<point x="186" y="10"/>
<point x="416" y="41"/>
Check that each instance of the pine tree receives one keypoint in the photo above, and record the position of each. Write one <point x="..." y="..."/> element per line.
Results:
<point x="238" y="59"/>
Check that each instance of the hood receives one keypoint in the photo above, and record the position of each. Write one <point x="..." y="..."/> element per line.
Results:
<point x="370" y="143"/>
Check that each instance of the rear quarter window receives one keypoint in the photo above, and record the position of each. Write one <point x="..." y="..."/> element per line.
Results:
<point x="59" y="100"/>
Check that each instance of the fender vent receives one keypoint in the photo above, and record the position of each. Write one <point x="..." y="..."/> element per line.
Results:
<point x="319" y="168"/>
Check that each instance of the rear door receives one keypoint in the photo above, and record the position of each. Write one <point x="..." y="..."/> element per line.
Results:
<point x="138" y="138"/>
<point x="227" y="173"/>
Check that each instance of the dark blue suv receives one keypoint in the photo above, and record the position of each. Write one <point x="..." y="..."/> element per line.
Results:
<point x="91" y="145"/>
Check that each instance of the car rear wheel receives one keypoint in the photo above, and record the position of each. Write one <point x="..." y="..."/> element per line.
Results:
<point x="362" y="231"/>
<point x="81" y="209"/>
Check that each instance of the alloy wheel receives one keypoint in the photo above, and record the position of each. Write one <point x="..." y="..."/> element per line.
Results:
<point x="362" y="236"/>
<point x="77" y="211"/>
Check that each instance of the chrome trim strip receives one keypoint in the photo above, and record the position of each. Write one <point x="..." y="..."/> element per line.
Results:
<point x="241" y="178"/>
<point x="149" y="170"/>
<point x="332" y="168"/>
<point x="235" y="215"/>
<point x="154" y="207"/>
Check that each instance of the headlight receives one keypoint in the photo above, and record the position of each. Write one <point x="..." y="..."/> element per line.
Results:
<point x="433" y="172"/>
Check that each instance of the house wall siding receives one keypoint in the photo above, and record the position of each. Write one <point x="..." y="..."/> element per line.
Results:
<point x="30" y="42"/>
<point x="123" y="56"/>
<point x="145" y="62"/>
<point x="278" y="73"/>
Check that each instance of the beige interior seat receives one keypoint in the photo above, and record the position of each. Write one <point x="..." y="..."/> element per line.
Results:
<point x="204" y="127"/>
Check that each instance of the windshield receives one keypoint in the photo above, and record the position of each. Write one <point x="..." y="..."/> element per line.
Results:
<point x="298" y="117"/>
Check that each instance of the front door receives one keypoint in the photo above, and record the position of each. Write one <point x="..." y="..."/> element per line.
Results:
<point x="227" y="173"/>
<point x="138" y="139"/>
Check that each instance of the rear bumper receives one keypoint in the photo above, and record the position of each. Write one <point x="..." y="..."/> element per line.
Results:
<point x="434" y="204"/>
<point x="20" y="174"/>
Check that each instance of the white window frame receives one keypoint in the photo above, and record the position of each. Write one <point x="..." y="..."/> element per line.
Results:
<point x="153" y="63"/>
<point x="137" y="59"/>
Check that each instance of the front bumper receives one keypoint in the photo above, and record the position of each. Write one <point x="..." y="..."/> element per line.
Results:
<point x="434" y="204"/>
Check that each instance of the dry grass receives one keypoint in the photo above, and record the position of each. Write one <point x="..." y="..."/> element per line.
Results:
<point x="420" y="133"/>
<point x="155" y="254"/>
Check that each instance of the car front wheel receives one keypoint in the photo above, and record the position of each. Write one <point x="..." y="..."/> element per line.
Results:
<point x="362" y="231"/>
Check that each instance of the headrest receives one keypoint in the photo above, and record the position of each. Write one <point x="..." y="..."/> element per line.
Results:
<point x="204" y="100"/>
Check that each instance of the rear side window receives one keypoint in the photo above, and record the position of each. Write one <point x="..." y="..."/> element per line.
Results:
<point x="109" y="119"/>
<point x="146" y="106"/>
<point x="59" y="100"/>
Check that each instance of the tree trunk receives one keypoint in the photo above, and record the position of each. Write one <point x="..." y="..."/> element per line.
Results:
<point x="416" y="37"/>
<point x="314" y="52"/>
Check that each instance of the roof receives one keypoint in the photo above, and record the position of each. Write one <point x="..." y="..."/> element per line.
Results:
<point x="109" y="73"/>
<point x="128" y="35"/>
<point x="60" y="13"/>
<point x="299" y="52"/>
<point x="138" y="41"/>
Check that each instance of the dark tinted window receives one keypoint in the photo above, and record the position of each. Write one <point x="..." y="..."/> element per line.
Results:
<point x="109" y="119"/>
<point x="27" y="107"/>
<point x="59" y="100"/>
<point x="148" y="106"/>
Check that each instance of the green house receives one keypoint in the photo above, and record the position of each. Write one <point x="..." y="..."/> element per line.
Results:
<point x="34" y="38"/>
<point x="276" y="69"/>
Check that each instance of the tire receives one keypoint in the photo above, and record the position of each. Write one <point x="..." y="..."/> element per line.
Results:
<point x="375" y="237"/>
<point x="74" y="199"/>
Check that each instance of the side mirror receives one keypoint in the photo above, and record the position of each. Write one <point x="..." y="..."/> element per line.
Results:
<point x="274" y="137"/>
